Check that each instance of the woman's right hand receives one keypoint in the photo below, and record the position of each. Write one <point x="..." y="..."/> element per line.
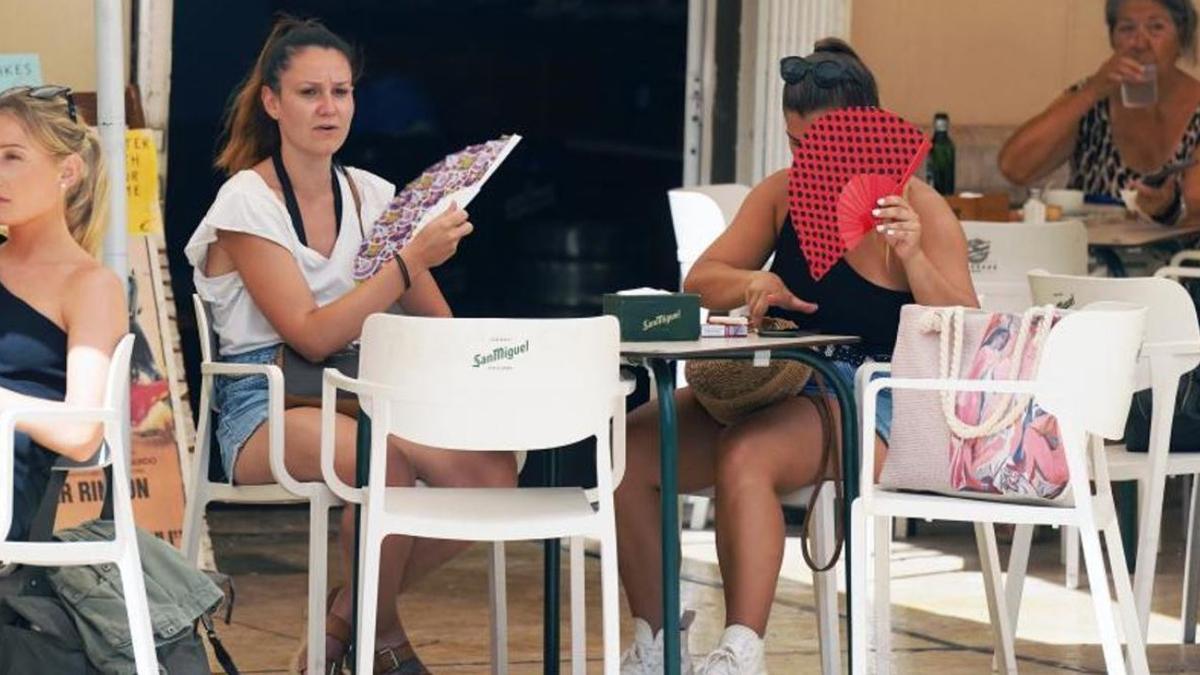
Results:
<point x="767" y="290"/>
<point x="1117" y="70"/>
<point x="438" y="241"/>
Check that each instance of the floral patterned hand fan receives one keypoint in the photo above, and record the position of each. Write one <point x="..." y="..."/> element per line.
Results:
<point x="457" y="178"/>
<point x="847" y="160"/>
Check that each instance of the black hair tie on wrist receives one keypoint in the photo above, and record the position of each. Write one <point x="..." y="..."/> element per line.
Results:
<point x="403" y="271"/>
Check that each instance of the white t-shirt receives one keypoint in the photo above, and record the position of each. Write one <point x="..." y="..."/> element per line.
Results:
<point x="246" y="204"/>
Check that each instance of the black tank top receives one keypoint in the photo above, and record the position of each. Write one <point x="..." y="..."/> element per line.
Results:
<point x="849" y="304"/>
<point x="33" y="362"/>
<point x="33" y="350"/>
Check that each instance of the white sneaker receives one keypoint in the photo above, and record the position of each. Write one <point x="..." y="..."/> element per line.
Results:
<point x="645" y="655"/>
<point x="739" y="653"/>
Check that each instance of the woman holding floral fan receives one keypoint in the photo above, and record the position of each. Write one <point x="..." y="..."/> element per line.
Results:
<point x="274" y="258"/>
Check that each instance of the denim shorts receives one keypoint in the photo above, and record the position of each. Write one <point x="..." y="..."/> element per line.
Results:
<point x="241" y="404"/>
<point x="883" y="404"/>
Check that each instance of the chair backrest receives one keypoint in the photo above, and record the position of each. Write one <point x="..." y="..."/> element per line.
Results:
<point x="204" y="330"/>
<point x="1086" y="372"/>
<point x="1001" y="254"/>
<point x="494" y="384"/>
<point x="116" y="397"/>
<point x="700" y="214"/>
<point x="1171" y="314"/>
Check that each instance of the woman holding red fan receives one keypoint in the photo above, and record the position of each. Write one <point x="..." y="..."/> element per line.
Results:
<point x="916" y="254"/>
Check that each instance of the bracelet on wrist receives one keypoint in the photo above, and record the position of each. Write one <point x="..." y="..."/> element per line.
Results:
<point x="1174" y="212"/>
<point x="403" y="271"/>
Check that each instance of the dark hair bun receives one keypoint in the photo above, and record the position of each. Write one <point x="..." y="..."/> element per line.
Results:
<point x="832" y="45"/>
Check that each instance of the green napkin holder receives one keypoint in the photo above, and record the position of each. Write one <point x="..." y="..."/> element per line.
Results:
<point x="651" y="318"/>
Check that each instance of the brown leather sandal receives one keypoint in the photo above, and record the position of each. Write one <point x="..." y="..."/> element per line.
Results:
<point x="399" y="660"/>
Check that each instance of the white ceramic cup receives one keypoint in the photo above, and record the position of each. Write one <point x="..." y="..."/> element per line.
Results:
<point x="1070" y="201"/>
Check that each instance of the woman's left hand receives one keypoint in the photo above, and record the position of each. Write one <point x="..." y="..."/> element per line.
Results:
<point x="1155" y="201"/>
<point x="900" y="226"/>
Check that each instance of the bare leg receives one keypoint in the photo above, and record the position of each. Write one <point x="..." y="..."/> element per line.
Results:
<point x="769" y="454"/>
<point x="302" y="455"/>
<point x="639" y="530"/>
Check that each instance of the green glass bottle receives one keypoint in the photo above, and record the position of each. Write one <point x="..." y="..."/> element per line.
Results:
<point x="940" y="172"/>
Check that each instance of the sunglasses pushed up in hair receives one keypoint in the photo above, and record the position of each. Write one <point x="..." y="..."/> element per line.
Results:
<point x="49" y="92"/>
<point x="826" y="73"/>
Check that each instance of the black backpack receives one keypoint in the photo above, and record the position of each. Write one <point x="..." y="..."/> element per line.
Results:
<point x="1185" y="424"/>
<point x="38" y="635"/>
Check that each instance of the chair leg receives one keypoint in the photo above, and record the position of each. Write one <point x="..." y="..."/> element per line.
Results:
<point x="368" y="597"/>
<point x="137" y="609"/>
<point x="1070" y="543"/>
<point x="1018" y="564"/>
<point x="498" y="585"/>
<point x="610" y="600"/>
<point x="1093" y="559"/>
<point x="825" y="585"/>
<point x="858" y="586"/>
<point x="193" y="522"/>
<point x="1014" y="578"/>
<point x="1191" y="569"/>
<point x="882" y="597"/>
<point x="318" y="574"/>
<point x="578" y="610"/>
<point x="1131" y="622"/>
<point x="989" y="563"/>
<point x="1150" y="505"/>
<point x="699" y="519"/>
<point x="899" y="528"/>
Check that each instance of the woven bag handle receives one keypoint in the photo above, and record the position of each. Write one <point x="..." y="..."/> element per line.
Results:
<point x="950" y="326"/>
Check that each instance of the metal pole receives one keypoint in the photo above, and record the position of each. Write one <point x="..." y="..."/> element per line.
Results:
<point x="693" y="96"/>
<point x="110" y="120"/>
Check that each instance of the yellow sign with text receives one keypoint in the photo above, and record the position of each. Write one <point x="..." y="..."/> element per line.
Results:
<point x="141" y="183"/>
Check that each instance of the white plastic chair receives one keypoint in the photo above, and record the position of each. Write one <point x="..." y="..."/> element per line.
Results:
<point x="1178" y="464"/>
<point x="699" y="215"/>
<point x="1171" y="348"/>
<point x="1001" y="254"/>
<point x="122" y="550"/>
<point x="1087" y="400"/>
<point x="287" y="490"/>
<point x="480" y="385"/>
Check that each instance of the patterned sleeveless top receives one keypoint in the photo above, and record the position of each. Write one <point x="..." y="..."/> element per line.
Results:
<point x="1096" y="164"/>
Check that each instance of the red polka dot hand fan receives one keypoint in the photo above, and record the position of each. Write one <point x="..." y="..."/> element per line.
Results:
<point x="847" y="160"/>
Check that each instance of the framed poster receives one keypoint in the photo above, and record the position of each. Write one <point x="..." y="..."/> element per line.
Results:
<point x="160" y="425"/>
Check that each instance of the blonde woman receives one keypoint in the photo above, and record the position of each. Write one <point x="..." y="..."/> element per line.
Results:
<point x="61" y="312"/>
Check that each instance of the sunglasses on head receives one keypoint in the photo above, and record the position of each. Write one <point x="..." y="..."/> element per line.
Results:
<point x="826" y="73"/>
<point x="47" y="92"/>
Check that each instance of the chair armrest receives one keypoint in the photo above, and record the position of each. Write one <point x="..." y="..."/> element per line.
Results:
<point x="239" y="369"/>
<point x="332" y="380"/>
<point x="1174" y="348"/>
<point x="1183" y="256"/>
<point x="1173" y="271"/>
<point x="8" y="432"/>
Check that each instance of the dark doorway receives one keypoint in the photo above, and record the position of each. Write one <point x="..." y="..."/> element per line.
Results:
<point x="595" y="87"/>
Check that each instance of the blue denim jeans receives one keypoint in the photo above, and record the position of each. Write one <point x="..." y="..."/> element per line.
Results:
<point x="883" y="405"/>
<point x="241" y="404"/>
